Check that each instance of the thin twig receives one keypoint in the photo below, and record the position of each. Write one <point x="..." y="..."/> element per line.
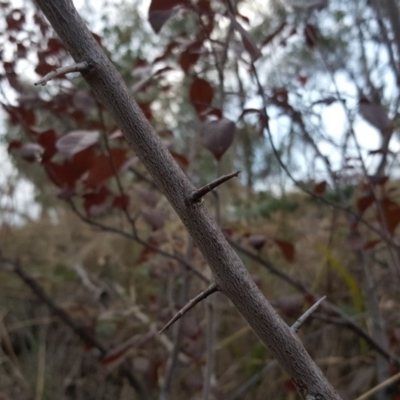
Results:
<point x="379" y="387"/>
<point x="142" y="242"/>
<point x="201" y="296"/>
<point x="298" y="324"/>
<point x="198" y="194"/>
<point x="78" y="67"/>
<point x="242" y="389"/>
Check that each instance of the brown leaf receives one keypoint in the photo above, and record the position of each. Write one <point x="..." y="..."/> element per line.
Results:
<point x="153" y="217"/>
<point x="371" y="244"/>
<point x="31" y="152"/>
<point x="311" y="34"/>
<point x="364" y="202"/>
<point x="257" y="241"/>
<point x="287" y="249"/>
<point x="76" y="141"/>
<point x="291" y="306"/>
<point x="320" y="188"/>
<point x="391" y="214"/>
<point x="161" y="11"/>
<point x="217" y="136"/>
<point x="96" y="203"/>
<point x="181" y="158"/>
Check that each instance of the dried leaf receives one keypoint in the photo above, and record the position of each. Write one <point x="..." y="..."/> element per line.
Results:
<point x="287" y="249"/>
<point x="257" y="241"/>
<point x="320" y="188"/>
<point x="391" y="214"/>
<point x="76" y="141"/>
<point x="364" y="202"/>
<point x="161" y="11"/>
<point x="217" y="136"/>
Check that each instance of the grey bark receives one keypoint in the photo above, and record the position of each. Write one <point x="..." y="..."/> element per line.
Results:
<point x="229" y="272"/>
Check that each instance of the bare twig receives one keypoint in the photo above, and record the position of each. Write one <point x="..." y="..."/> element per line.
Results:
<point x="198" y="194"/>
<point x="297" y="325"/>
<point x="379" y="387"/>
<point x="201" y="296"/>
<point x="135" y="237"/>
<point x="78" y="67"/>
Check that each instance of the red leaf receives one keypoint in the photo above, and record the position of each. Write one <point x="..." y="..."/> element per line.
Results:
<point x="62" y="175"/>
<point x="161" y="11"/>
<point x="103" y="169"/>
<point x="121" y="202"/>
<point x="44" y="68"/>
<point x="146" y="109"/>
<point x="96" y="203"/>
<point x="84" y="160"/>
<point x="55" y="46"/>
<point x="364" y="202"/>
<point x="320" y="188"/>
<point x="287" y="249"/>
<point x="15" y="20"/>
<point x="217" y="136"/>
<point x="190" y="55"/>
<point x="201" y="94"/>
<point x="14" y="144"/>
<point x="371" y="244"/>
<point x="302" y="79"/>
<point x="66" y="174"/>
<point x="47" y="140"/>
<point x="391" y="214"/>
<point x="311" y="34"/>
<point x="180" y="158"/>
<point x="20" y="114"/>
<point x="76" y="141"/>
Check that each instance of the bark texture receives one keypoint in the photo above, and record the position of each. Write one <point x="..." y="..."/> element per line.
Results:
<point x="229" y="272"/>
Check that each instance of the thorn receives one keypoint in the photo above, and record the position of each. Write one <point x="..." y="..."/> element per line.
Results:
<point x="198" y="194"/>
<point x="78" y="67"/>
<point x="298" y="324"/>
<point x="201" y="296"/>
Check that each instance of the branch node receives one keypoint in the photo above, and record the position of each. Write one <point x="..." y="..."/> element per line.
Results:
<point x="298" y="324"/>
<point x="78" y="67"/>
<point x="197" y="195"/>
<point x="201" y="296"/>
